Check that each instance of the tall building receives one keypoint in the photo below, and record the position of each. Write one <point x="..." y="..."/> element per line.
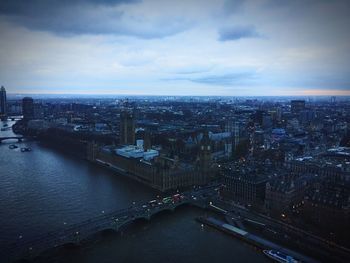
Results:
<point x="279" y="114"/>
<point x="127" y="127"/>
<point x="3" y="104"/>
<point x="297" y="106"/>
<point x="27" y="108"/>
<point x="205" y="157"/>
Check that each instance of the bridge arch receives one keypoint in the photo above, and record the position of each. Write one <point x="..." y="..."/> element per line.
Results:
<point x="144" y="217"/>
<point x="133" y="220"/>
<point x="168" y="209"/>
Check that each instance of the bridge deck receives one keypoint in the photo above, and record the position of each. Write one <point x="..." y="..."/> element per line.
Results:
<point x="75" y="233"/>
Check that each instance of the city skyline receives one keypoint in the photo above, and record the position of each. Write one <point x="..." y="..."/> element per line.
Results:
<point x="224" y="48"/>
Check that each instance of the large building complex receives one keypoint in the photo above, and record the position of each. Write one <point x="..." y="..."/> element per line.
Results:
<point x="151" y="166"/>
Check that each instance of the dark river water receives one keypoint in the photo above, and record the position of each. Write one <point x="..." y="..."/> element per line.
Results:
<point x="45" y="190"/>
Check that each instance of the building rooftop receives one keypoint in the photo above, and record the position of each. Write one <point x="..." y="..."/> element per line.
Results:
<point x="132" y="151"/>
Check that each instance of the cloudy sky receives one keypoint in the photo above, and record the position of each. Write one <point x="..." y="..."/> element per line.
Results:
<point x="183" y="47"/>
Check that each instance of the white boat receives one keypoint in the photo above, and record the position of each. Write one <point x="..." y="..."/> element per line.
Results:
<point x="280" y="257"/>
<point x="26" y="149"/>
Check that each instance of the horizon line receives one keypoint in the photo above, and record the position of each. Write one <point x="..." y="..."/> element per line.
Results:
<point x="171" y="95"/>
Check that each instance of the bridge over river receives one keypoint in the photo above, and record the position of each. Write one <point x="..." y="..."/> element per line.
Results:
<point x="73" y="234"/>
<point x="18" y="138"/>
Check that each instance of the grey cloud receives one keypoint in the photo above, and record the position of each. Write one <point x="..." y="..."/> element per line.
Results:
<point x="230" y="79"/>
<point x="227" y="79"/>
<point x="194" y="70"/>
<point x="88" y="17"/>
<point x="300" y="4"/>
<point x="50" y="7"/>
<point x="238" y="32"/>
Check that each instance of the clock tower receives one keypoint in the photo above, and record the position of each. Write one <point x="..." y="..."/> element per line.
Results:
<point x="205" y="156"/>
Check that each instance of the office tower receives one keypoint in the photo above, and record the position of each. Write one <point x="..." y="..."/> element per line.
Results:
<point x="3" y="104"/>
<point x="27" y="108"/>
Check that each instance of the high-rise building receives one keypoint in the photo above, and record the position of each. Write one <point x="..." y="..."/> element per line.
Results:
<point x="297" y="106"/>
<point x="127" y="127"/>
<point x="3" y="103"/>
<point x="27" y="108"/>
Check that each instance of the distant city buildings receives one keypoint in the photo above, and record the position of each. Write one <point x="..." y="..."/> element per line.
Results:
<point x="14" y="107"/>
<point x="276" y="157"/>
<point x="297" y="106"/>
